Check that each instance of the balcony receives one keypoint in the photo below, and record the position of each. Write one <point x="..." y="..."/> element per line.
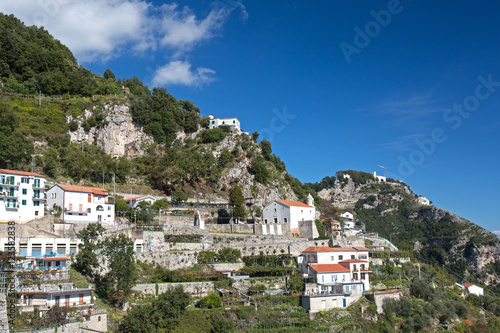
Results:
<point x="38" y="187"/>
<point x="39" y="199"/>
<point x="11" y="184"/>
<point x="11" y="205"/>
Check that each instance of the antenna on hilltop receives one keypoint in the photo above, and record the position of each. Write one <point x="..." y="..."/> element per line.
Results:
<point x="383" y="167"/>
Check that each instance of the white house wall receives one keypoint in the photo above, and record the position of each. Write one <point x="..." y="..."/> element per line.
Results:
<point x="16" y="206"/>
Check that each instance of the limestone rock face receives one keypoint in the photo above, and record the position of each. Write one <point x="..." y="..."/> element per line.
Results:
<point x="120" y="137"/>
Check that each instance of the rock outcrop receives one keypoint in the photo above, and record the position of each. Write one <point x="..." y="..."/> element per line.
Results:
<point x="120" y="137"/>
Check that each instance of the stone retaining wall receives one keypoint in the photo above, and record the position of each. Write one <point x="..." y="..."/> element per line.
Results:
<point x="195" y="289"/>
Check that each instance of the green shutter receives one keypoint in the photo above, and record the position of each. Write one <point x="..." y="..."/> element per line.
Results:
<point x="24" y="202"/>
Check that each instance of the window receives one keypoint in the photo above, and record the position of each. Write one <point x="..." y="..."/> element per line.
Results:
<point x="109" y="207"/>
<point x="36" y="213"/>
<point x="353" y="256"/>
<point x="341" y="257"/>
<point x="285" y="220"/>
<point x="25" y="180"/>
<point x="234" y="121"/>
<point x="24" y="202"/>
<point x="333" y="258"/>
<point x="265" y="221"/>
<point x="213" y="122"/>
<point x="275" y="210"/>
<point x="355" y="276"/>
<point x="36" y="203"/>
<point x="275" y="220"/>
<point x="58" y="298"/>
<point x="362" y="276"/>
<point x="25" y="191"/>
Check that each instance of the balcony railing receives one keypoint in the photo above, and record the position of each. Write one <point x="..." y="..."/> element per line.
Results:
<point x="11" y="206"/>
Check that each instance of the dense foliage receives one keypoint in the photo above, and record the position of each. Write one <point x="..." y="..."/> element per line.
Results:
<point x="161" y="315"/>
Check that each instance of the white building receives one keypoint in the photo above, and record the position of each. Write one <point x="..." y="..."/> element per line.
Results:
<point x="43" y="300"/>
<point x="39" y="247"/>
<point x="22" y="195"/>
<point x="81" y="203"/>
<point x="473" y="289"/>
<point x="379" y="178"/>
<point x="423" y="200"/>
<point x="134" y="202"/>
<point x="341" y="275"/>
<point x="233" y="123"/>
<point x="348" y="220"/>
<point x="291" y="212"/>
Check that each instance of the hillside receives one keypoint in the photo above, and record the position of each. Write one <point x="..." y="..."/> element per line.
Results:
<point x="85" y="126"/>
<point x="435" y="236"/>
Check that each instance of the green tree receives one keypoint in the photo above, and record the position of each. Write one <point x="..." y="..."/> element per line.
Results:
<point x="213" y="300"/>
<point x="229" y="254"/>
<point x="296" y="283"/>
<point x="108" y="74"/>
<point x="160" y="204"/>
<point x="86" y="258"/>
<point x="255" y="136"/>
<point x="161" y="315"/>
<point x="145" y="213"/>
<point x="116" y="285"/>
<point x="237" y="202"/>
<point x="179" y="196"/>
<point x="266" y="149"/>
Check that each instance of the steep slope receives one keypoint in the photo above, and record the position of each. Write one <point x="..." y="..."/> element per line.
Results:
<point x="437" y="236"/>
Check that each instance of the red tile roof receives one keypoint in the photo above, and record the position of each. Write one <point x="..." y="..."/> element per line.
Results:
<point x="21" y="173"/>
<point x="361" y="248"/>
<point x="135" y="198"/>
<point x="467" y="285"/>
<point x="327" y="268"/>
<point x="294" y="203"/>
<point x="85" y="189"/>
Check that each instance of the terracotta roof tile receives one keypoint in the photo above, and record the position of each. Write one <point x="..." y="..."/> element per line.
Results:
<point x="85" y="189"/>
<point x="294" y="203"/>
<point x="328" y="249"/>
<point x="21" y="173"/>
<point x="467" y="285"/>
<point x="327" y="268"/>
<point x="135" y="198"/>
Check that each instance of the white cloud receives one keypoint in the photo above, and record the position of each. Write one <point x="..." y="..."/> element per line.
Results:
<point x="182" y="30"/>
<point x="94" y="30"/>
<point x="97" y="30"/>
<point x="179" y="72"/>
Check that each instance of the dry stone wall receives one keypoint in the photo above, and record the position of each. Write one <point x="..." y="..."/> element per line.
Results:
<point x="196" y="289"/>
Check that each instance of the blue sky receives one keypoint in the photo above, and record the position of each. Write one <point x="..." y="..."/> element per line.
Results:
<point x="334" y="85"/>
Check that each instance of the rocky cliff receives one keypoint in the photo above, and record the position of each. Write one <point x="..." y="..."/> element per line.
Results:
<point x="119" y="137"/>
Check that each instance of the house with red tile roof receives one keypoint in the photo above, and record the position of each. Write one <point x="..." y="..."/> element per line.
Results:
<point x="81" y="203"/>
<point x="341" y="274"/>
<point x="134" y="202"/>
<point x="22" y="195"/>
<point x="289" y="213"/>
<point x="473" y="289"/>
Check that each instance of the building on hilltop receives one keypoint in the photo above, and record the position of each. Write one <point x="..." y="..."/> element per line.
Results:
<point x="233" y="123"/>
<point x="22" y="195"/>
<point x="287" y="214"/>
<point x="81" y="203"/>
<point x="423" y="201"/>
<point x="340" y="274"/>
<point x="379" y="178"/>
